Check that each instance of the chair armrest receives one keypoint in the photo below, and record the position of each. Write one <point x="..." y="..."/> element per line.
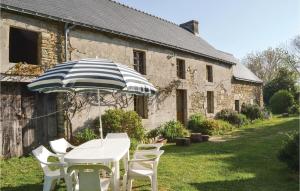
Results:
<point x="148" y="154"/>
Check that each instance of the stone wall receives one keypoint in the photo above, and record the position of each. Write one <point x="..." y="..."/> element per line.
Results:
<point x="160" y="66"/>
<point x="247" y="92"/>
<point x="51" y="42"/>
<point x="51" y="39"/>
<point x="161" y="71"/>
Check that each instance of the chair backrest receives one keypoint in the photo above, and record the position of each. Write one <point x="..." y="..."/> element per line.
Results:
<point x="42" y="154"/>
<point x="141" y="148"/>
<point x="89" y="176"/>
<point x="154" y="146"/>
<point x="60" y="146"/>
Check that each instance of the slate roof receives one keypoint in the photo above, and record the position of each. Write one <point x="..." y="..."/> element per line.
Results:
<point x="241" y="72"/>
<point x="113" y="17"/>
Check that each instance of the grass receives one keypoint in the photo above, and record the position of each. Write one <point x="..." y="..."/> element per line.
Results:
<point x="245" y="160"/>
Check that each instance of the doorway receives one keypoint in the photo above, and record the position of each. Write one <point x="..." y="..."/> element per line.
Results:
<point x="181" y="106"/>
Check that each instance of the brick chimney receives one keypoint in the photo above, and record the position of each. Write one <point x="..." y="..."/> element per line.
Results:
<point x="191" y="26"/>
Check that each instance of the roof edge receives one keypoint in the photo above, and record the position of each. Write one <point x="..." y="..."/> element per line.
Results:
<point x="247" y="80"/>
<point x="24" y="11"/>
<point x="148" y="14"/>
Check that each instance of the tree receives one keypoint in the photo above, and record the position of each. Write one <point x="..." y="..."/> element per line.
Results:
<point x="267" y="63"/>
<point x="284" y="80"/>
<point x="296" y="46"/>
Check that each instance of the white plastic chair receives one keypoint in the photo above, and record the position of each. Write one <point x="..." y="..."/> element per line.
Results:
<point x="50" y="176"/>
<point x="89" y="177"/>
<point x="60" y="146"/>
<point x="143" y="168"/>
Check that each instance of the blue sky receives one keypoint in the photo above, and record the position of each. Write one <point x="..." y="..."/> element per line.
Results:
<point x="235" y="26"/>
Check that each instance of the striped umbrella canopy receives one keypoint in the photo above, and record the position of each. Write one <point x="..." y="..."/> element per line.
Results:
<point x="92" y="75"/>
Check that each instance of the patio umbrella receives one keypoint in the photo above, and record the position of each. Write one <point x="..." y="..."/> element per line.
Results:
<point x="92" y="75"/>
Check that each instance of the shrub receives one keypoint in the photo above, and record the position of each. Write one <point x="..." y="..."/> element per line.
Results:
<point x="284" y="80"/>
<point x="232" y="117"/>
<point x="289" y="152"/>
<point x="118" y="120"/>
<point x="281" y="101"/>
<point x="242" y="120"/>
<point x="85" y="135"/>
<point x="252" y="112"/>
<point x="224" y="127"/>
<point x="111" y="121"/>
<point x="132" y="124"/>
<point x="214" y="127"/>
<point x="153" y="133"/>
<point x="294" y="109"/>
<point x="266" y="113"/>
<point x="173" y="129"/>
<point x="195" y="121"/>
<point x="133" y="144"/>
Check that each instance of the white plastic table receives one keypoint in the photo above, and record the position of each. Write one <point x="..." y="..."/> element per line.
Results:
<point x="112" y="149"/>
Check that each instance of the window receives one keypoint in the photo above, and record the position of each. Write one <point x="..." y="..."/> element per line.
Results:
<point x="23" y="46"/>
<point x="180" y="68"/>
<point x="209" y="73"/>
<point x="139" y="58"/>
<point x="210" y="102"/>
<point x="237" y="105"/>
<point x="141" y="106"/>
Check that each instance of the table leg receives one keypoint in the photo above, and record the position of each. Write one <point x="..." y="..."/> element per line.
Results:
<point x="125" y="161"/>
<point x="116" y="186"/>
<point x="68" y="183"/>
<point x="68" y="180"/>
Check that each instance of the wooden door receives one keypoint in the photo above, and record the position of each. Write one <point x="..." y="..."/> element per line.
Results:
<point x="39" y="125"/>
<point x="10" y="128"/>
<point x="19" y="133"/>
<point x="181" y="106"/>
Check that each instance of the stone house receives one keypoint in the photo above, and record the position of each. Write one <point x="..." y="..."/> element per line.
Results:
<point x="191" y="75"/>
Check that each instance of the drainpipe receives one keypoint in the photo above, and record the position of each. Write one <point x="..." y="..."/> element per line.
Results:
<point x="66" y="31"/>
<point x="60" y="116"/>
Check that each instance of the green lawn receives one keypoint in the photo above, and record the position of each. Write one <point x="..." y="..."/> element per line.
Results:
<point x="244" y="161"/>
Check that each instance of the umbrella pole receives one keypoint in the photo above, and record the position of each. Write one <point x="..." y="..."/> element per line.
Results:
<point x="100" y="121"/>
